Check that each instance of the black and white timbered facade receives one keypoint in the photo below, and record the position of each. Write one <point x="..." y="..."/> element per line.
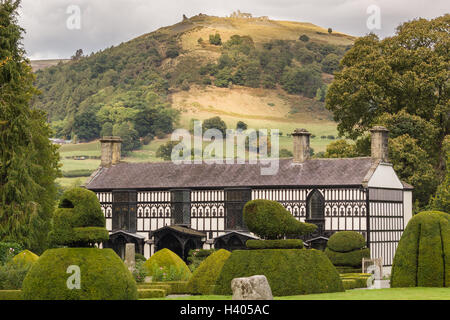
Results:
<point x="188" y="206"/>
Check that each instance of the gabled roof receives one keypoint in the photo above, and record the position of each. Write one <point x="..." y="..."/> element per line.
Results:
<point x="169" y="175"/>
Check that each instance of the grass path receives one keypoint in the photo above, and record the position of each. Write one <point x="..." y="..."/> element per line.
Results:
<point x="366" y="294"/>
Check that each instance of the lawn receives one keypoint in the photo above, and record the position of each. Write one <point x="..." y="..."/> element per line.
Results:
<point x="366" y="294"/>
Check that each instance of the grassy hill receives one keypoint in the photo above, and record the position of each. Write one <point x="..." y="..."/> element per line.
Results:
<point x="267" y="73"/>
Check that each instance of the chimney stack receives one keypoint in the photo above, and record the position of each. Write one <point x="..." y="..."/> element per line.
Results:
<point x="379" y="146"/>
<point x="111" y="148"/>
<point x="301" y="145"/>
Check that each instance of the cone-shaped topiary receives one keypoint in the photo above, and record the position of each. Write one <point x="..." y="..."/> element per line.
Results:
<point x="270" y="220"/>
<point x="25" y="257"/>
<point x="289" y="271"/>
<point x="346" y="249"/>
<point x="79" y="221"/>
<point x="166" y="259"/>
<point x="103" y="276"/>
<point x="207" y="273"/>
<point x="422" y="258"/>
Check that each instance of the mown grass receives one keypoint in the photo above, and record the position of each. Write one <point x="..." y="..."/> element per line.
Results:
<point x="366" y="294"/>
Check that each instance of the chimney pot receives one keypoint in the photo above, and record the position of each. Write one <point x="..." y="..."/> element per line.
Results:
<point x="111" y="149"/>
<point x="301" y="145"/>
<point x="379" y="143"/>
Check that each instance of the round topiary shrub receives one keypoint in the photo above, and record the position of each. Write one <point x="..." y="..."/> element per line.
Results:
<point x="167" y="261"/>
<point x="345" y="241"/>
<point x="103" y="276"/>
<point x="289" y="271"/>
<point x="270" y="220"/>
<point x="205" y="276"/>
<point x="347" y="249"/>
<point x="25" y="257"/>
<point x="422" y="258"/>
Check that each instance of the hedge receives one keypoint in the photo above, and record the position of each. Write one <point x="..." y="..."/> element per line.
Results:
<point x="10" y="295"/>
<point x="343" y="270"/>
<point x="176" y="287"/>
<point x="207" y="272"/>
<point x="164" y="259"/>
<point x="104" y="276"/>
<point x="165" y="287"/>
<point x="151" y="293"/>
<point x="345" y="241"/>
<point x="270" y="220"/>
<point x="349" y="259"/>
<point x="422" y="258"/>
<point x="359" y="278"/>
<point x="289" y="271"/>
<point x="275" y="244"/>
<point x="349" y="284"/>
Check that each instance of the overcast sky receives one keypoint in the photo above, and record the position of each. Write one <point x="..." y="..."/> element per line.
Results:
<point x="53" y="29"/>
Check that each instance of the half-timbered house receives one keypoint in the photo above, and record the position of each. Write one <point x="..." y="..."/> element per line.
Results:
<point x="187" y="206"/>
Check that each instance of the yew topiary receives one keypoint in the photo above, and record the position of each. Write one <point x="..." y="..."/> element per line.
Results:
<point x="270" y="220"/>
<point x="288" y="271"/>
<point x="205" y="276"/>
<point x="103" y="276"/>
<point x="79" y="220"/>
<point x="167" y="259"/>
<point x="347" y="249"/>
<point x="25" y="257"/>
<point x="422" y="258"/>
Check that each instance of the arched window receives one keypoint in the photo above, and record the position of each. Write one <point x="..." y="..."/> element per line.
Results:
<point x="316" y="206"/>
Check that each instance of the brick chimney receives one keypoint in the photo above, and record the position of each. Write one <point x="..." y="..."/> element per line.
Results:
<point x="379" y="146"/>
<point x="301" y="145"/>
<point x="111" y="148"/>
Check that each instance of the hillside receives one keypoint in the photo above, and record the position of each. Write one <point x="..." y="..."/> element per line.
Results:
<point x="269" y="74"/>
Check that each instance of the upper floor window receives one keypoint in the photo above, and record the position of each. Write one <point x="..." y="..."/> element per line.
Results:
<point x="316" y="206"/>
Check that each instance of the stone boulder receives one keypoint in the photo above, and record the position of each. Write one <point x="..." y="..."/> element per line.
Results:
<point x="251" y="288"/>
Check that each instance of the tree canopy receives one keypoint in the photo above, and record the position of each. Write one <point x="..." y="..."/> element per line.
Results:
<point x="400" y="82"/>
<point x="28" y="160"/>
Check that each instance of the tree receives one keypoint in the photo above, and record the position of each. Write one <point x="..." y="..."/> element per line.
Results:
<point x="410" y="163"/>
<point x="330" y="30"/>
<point x="400" y="82"/>
<point x="330" y="64"/>
<point x="28" y="160"/>
<point x="441" y="201"/>
<point x="340" y="149"/>
<point x="241" y="125"/>
<point x="215" y="39"/>
<point x="165" y="150"/>
<point x="128" y="135"/>
<point x="78" y="54"/>
<point x="407" y="71"/>
<point x="304" y="38"/>
<point x="86" y="126"/>
<point x="215" y="123"/>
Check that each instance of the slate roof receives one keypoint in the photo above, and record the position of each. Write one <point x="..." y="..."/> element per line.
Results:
<point x="168" y="175"/>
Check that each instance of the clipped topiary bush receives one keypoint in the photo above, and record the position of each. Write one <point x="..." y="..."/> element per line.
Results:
<point x="270" y="220"/>
<point x="422" y="258"/>
<point x="205" y="276"/>
<point x="78" y="221"/>
<point x="165" y="259"/>
<point x="275" y="244"/>
<point x="103" y="276"/>
<point x="345" y="241"/>
<point x="346" y="249"/>
<point x="289" y="271"/>
<point x="79" y="273"/>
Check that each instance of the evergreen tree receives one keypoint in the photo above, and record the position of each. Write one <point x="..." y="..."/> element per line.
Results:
<point x="28" y="160"/>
